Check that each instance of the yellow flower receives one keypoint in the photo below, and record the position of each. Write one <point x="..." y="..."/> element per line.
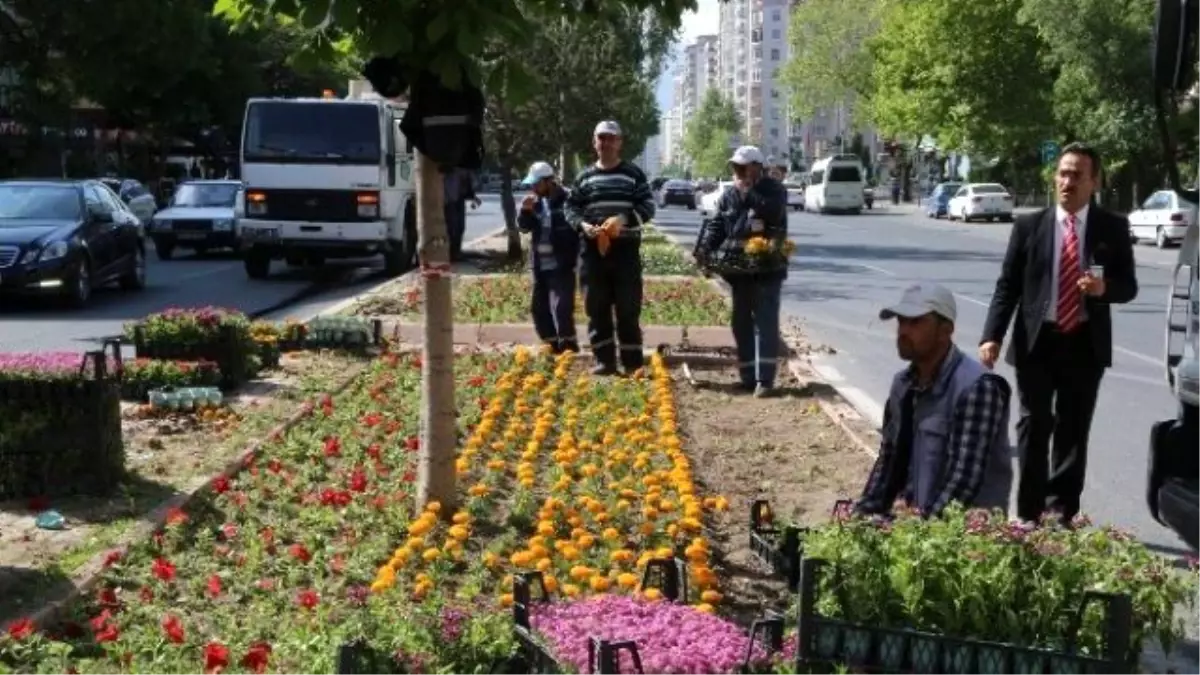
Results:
<point x="459" y="532"/>
<point x="431" y="554"/>
<point x="711" y="597"/>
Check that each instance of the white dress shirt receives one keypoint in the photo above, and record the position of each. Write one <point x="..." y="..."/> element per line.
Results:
<point x="1060" y="230"/>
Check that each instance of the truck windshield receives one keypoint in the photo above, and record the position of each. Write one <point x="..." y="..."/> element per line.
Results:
<point x="317" y="132"/>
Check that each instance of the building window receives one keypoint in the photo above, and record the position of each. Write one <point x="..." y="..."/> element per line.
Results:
<point x="774" y="93"/>
<point x="776" y="15"/>
<point x="774" y="132"/>
<point x="774" y="113"/>
<point x="757" y="77"/>
<point x="775" y="34"/>
<point x="774" y="54"/>
<point x="758" y="52"/>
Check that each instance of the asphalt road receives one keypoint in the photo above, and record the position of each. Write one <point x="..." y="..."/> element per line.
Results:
<point x="847" y="267"/>
<point x="188" y="281"/>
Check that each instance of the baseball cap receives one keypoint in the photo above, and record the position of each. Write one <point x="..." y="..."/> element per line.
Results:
<point x="921" y="299"/>
<point x="747" y="154"/>
<point x="538" y="171"/>
<point x="607" y="128"/>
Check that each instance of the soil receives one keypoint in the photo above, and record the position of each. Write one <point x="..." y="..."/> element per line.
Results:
<point x="165" y="456"/>
<point x="784" y="449"/>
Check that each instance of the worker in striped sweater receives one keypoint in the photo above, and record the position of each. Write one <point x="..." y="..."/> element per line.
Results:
<point x="608" y="204"/>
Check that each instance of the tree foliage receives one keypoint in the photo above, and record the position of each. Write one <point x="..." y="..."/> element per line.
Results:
<point x="986" y="90"/>
<point x="829" y="62"/>
<point x="709" y="134"/>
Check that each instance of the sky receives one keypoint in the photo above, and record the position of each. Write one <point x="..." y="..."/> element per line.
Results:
<point x="701" y="22"/>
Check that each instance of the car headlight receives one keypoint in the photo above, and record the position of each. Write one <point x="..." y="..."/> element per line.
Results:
<point x="52" y="251"/>
<point x="223" y="224"/>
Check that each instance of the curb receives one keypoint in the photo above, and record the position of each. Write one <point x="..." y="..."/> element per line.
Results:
<point x="403" y="278"/>
<point x="88" y="574"/>
<point x="841" y="413"/>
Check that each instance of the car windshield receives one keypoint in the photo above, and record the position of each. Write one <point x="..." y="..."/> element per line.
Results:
<point x="37" y="202"/>
<point x="949" y="188"/>
<point x="678" y="185"/>
<point x="205" y="194"/>
<point x="318" y="132"/>
<point x="989" y="189"/>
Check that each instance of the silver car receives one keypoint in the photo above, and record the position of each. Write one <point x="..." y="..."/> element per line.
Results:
<point x="202" y="216"/>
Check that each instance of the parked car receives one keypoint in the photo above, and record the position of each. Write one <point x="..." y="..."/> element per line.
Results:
<point x="136" y="196"/>
<point x="676" y="191"/>
<point x="201" y="216"/>
<point x="1163" y="218"/>
<point x="795" y="195"/>
<point x="66" y="238"/>
<point x="937" y="204"/>
<point x="981" y="201"/>
<point x="708" y="203"/>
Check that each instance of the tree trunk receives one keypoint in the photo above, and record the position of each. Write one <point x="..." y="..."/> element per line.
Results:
<point x="508" y="205"/>
<point x="435" y="471"/>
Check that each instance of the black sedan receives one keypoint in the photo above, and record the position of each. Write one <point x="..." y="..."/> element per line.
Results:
<point x="65" y="238"/>
<point x="680" y="192"/>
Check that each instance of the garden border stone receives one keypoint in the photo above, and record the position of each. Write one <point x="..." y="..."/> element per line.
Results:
<point x="87" y="575"/>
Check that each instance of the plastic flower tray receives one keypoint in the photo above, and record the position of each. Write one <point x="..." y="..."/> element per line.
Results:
<point x="779" y="548"/>
<point x="823" y="641"/>
<point x="79" y="447"/>
<point x="228" y="350"/>
<point x="669" y="576"/>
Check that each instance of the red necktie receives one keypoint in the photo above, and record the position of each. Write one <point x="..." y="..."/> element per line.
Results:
<point x="1070" y="299"/>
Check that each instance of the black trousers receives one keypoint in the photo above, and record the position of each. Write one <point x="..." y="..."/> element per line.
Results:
<point x="1057" y="386"/>
<point x="456" y="225"/>
<point x="553" y="308"/>
<point x="612" y="285"/>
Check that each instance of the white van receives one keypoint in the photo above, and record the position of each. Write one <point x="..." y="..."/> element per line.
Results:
<point x="835" y="184"/>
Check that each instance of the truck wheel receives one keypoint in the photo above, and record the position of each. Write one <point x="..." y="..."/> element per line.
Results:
<point x="257" y="263"/>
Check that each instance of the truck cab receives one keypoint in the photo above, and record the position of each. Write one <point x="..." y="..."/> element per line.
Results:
<point x="326" y="178"/>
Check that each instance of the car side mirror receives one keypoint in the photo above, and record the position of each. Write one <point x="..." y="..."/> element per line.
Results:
<point x="101" y="216"/>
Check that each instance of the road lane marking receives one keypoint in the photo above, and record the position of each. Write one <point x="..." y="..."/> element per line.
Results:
<point x="861" y="400"/>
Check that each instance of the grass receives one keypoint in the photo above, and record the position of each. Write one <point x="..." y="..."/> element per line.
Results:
<point x="505" y="299"/>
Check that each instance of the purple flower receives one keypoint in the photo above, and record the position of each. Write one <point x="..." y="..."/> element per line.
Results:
<point x="452" y="624"/>
<point x="671" y="638"/>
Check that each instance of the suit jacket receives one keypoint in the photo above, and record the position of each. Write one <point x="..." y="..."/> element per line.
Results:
<point x="1025" y="281"/>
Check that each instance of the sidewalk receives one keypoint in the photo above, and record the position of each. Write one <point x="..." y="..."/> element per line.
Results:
<point x="465" y="334"/>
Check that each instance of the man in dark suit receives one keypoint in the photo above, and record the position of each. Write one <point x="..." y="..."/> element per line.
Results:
<point x="1063" y="268"/>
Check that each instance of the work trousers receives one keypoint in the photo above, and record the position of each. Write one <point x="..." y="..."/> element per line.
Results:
<point x="553" y="309"/>
<point x="756" y="328"/>
<point x="612" y="285"/>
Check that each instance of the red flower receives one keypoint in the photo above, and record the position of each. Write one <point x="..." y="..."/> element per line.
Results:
<point x="331" y="497"/>
<point x="163" y="569"/>
<point x="477" y="381"/>
<point x="108" y="633"/>
<point x="146" y="594"/>
<point x="173" y="628"/>
<point x="410" y="476"/>
<point x="20" y="629"/>
<point x="274" y="466"/>
<point x="112" y="558"/>
<point x="256" y="657"/>
<point x="107" y="597"/>
<point x="220" y="485"/>
<point x="412" y="443"/>
<point x="100" y="620"/>
<point x="214" y="586"/>
<point x="265" y="584"/>
<point x="229" y="531"/>
<point x="374" y="451"/>
<point x="307" y="598"/>
<point x="176" y="516"/>
<point x="372" y="419"/>
<point x="299" y="552"/>
<point x="358" y="480"/>
<point x="268" y="535"/>
<point x="216" y="657"/>
<point x="333" y="447"/>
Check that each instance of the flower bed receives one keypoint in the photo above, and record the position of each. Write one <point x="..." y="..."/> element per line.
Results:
<point x="211" y="334"/>
<point x="974" y="592"/>
<point x="505" y="299"/>
<point x="60" y="425"/>
<point x="297" y="535"/>
<point x="585" y="478"/>
<point x="140" y="376"/>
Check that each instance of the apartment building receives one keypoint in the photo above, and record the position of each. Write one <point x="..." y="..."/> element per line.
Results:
<point x="651" y="158"/>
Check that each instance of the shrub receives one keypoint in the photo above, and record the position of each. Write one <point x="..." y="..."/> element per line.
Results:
<point x="143" y="375"/>
<point x="199" y="334"/>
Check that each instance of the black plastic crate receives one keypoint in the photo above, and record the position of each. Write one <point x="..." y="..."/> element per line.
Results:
<point x="827" y="642"/>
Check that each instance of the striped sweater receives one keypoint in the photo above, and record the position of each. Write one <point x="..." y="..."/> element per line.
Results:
<point x="601" y="193"/>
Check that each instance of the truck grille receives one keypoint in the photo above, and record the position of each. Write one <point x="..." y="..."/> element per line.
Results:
<point x="329" y="206"/>
<point x="8" y="255"/>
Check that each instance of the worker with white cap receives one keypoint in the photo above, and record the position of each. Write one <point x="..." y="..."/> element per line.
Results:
<point x="555" y="253"/>
<point x="608" y="204"/>
<point x="746" y="243"/>
<point x="945" y="424"/>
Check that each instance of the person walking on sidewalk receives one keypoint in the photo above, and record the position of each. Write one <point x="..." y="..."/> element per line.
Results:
<point x="751" y="215"/>
<point x="458" y="187"/>
<point x="555" y="252"/>
<point x="945" y="424"/>
<point x="1063" y="269"/>
<point x="609" y="203"/>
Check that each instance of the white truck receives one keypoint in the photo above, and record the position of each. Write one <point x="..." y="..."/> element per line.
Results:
<point x="326" y="178"/>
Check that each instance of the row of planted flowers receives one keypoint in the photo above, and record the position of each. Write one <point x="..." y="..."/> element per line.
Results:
<point x="313" y="544"/>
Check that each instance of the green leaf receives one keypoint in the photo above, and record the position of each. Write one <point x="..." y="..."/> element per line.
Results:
<point x="314" y="13"/>
<point x="447" y="67"/>
<point x="232" y="10"/>
<point x="468" y="41"/>
<point x="345" y="14"/>
<point x="437" y="28"/>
